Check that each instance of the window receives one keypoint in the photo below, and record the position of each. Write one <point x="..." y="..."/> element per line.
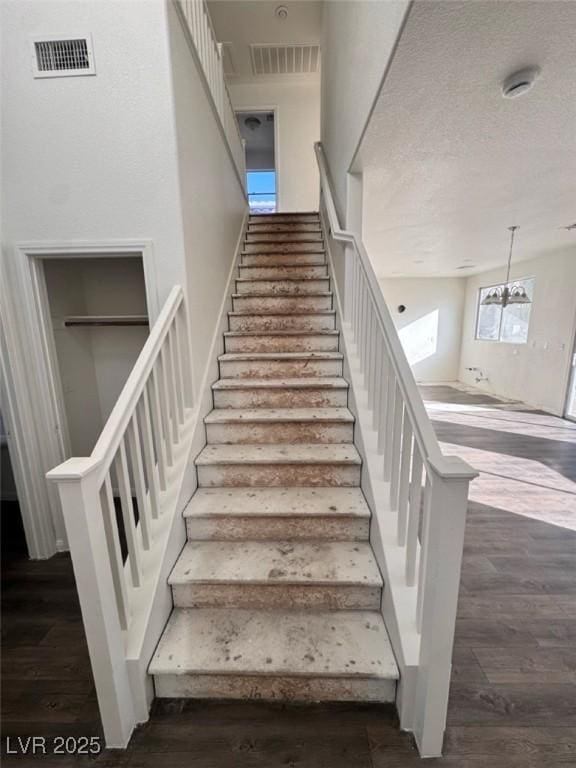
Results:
<point x="509" y="323"/>
<point x="261" y="191"/>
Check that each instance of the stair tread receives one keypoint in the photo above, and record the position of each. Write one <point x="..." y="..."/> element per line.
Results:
<point x="277" y="502"/>
<point x="279" y="453"/>
<point x="322" y="382"/>
<point x="229" y="356"/>
<point x="273" y="295"/>
<point x="337" y="563"/>
<point x="289" y="279"/>
<point x="280" y="415"/>
<point x="273" y="642"/>
<point x="319" y="332"/>
<point x="280" y="313"/>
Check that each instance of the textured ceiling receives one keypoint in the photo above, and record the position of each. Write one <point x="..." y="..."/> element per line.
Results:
<point x="241" y="23"/>
<point x="449" y="163"/>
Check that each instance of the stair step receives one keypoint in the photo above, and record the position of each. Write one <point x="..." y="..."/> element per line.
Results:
<point x="283" y="218"/>
<point x="276" y="655"/>
<point x="312" y="302"/>
<point x="283" y="237"/>
<point x="309" y="392"/>
<point x="295" y="226"/>
<point x="276" y="365"/>
<point x="283" y="272"/>
<point x="279" y="465"/>
<point x="327" y="514"/>
<point x="279" y="425"/>
<point x="277" y="574"/>
<point x="316" y="247"/>
<point x="246" y="320"/>
<point x="262" y="286"/>
<point x="281" y="341"/>
<point x="282" y="259"/>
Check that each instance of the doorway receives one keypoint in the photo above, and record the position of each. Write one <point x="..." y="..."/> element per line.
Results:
<point x="258" y="129"/>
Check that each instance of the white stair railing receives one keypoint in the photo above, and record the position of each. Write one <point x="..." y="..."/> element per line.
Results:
<point x="118" y="506"/>
<point x="425" y="492"/>
<point x="199" y="25"/>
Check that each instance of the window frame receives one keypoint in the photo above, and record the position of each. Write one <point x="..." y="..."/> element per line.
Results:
<point x="500" y="340"/>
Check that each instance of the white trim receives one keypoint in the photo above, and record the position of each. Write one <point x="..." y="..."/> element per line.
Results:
<point x="42" y="429"/>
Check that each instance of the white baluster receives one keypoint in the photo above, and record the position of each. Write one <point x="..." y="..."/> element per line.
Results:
<point x="396" y="440"/>
<point x="170" y="372"/>
<point x="159" y="375"/>
<point x="114" y="551"/>
<point x="378" y="388"/>
<point x="385" y="365"/>
<point x="404" y="483"/>
<point x="178" y="363"/>
<point x="389" y="429"/>
<point x="152" y="469"/>
<point x="157" y="428"/>
<point x="414" y="500"/>
<point x="135" y="451"/>
<point x="134" y="559"/>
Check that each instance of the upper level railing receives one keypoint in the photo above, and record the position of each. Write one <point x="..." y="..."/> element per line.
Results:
<point x="426" y="491"/>
<point x="209" y="51"/>
<point x="118" y="504"/>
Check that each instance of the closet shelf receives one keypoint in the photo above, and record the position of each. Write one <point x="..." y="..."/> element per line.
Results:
<point x="92" y="320"/>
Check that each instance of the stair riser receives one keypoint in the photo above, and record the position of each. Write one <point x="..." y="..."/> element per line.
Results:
<point x="288" y="228"/>
<point x="281" y="259"/>
<point x="275" y="432"/>
<point x="278" y="273"/>
<point x="283" y="287"/>
<point x="260" y="304"/>
<point x="272" y="688"/>
<point x="277" y="596"/>
<point x="291" y="475"/>
<point x="296" y="528"/>
<point x="279" y="369"/>
<point x="304" y="322"/>
<point x="283" y="237"/>
<point x="317" y="247"/>
<point x="281" y="398"/>
<point x="285" y="218"/>
<point x="282" y="343"/>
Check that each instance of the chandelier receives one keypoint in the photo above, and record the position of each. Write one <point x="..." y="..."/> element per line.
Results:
<point x="503" y="295"/>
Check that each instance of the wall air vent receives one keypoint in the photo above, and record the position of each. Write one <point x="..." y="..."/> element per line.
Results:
<point x="57" y="56"/>
<point x="285" y="59"/>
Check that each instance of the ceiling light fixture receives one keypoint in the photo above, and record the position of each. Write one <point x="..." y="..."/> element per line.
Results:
<point x="502" y="295"/>
<point x="520" y="82"/>
<point x="252" y="122"/>
<point x="281" y="12"/>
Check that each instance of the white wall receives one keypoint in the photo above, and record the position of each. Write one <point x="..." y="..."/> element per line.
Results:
<point x="431" y="326"/>
<point x="212" y="198"/>
<point x="297" y="107"/>
<point x="358" y="37"/>
<point x="536" y="372"/>
<point x="92" y="158"/>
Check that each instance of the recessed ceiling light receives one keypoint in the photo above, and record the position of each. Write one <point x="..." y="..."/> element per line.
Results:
<point x="520" y="82"/>
<point x="281" y="12"/>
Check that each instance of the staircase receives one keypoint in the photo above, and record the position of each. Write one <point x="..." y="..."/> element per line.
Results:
<point x="277" y="593"/>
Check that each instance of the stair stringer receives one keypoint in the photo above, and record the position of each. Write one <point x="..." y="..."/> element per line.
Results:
<point x="144" y="639"/>
<point x="398" y="605"/>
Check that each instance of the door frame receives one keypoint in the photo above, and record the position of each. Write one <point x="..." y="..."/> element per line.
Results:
<point x="35" y="410"/>
<point x="571" y="375"/>
<point x="276" y="111"/>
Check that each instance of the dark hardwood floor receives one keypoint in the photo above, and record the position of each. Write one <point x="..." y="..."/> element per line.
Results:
<point x="513" y="695"/>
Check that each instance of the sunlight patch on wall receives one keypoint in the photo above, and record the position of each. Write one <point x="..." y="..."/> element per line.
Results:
<point x="420" y="337"/>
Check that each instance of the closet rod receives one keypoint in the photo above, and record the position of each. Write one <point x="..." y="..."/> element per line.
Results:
<point x="119" y="320"/>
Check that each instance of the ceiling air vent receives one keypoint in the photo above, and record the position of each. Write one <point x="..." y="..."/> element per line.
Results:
<point x="56" y="56"/>
<point x="285" y="59"/>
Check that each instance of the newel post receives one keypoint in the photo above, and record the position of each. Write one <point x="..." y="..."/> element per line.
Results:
<point x="77" y="481"/>
<point x="443" y="542"/>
